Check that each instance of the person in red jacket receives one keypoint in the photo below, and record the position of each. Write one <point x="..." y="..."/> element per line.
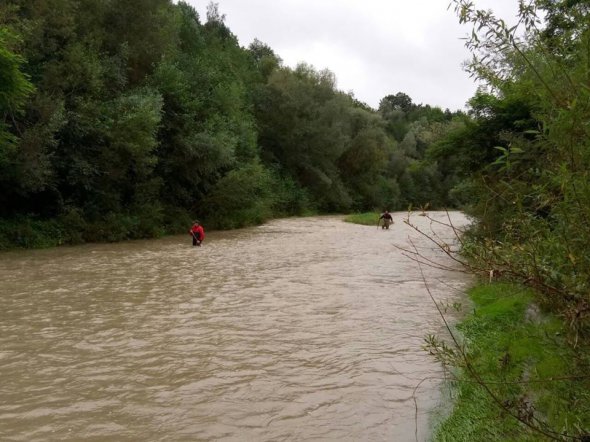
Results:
<point x="197" y="233"/>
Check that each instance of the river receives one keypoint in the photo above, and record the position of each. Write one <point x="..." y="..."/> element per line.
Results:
<point x="300" y="329"/>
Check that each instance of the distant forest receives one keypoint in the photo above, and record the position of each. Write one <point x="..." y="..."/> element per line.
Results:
<point x="126" y="119"/>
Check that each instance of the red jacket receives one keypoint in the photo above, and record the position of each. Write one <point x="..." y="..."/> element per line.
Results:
<point x="198" y="232"/>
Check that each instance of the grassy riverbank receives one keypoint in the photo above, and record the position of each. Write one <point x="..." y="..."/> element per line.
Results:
<point x="529" y="364"/>
<point x="366" y="219"/>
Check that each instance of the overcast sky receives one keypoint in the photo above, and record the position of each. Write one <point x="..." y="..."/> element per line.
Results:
<point x="374" y="47"/>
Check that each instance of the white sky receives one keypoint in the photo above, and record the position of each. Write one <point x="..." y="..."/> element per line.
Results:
<point x="374" y="47"/>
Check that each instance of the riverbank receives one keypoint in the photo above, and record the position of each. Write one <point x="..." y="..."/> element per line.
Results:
<point x="365" y="219"/>
<point x="529" y="364"/>
<point x="71" y="229"/>
<point x="26" y="232"/>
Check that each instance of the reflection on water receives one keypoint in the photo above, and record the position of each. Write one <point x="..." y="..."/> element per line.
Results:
<point x="301" y="329"/>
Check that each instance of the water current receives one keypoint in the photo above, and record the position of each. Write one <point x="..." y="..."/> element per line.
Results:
<point x="297" y="330"/>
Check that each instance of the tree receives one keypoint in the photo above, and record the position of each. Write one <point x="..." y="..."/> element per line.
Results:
<point x="400" y="101"/>
<point x="14" y="86"/>
<point x="14" y="90"/>
<point x="304" y="129"/>
<point x="530" y="147"/>
<point x="265" y="58"/>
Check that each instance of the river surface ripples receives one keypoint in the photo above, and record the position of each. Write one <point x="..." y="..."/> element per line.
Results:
<point x="300" y="329"/>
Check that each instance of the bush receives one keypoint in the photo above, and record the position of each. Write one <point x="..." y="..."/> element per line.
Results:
<point x="243" y="197"/>
<point x="30" y="233"/>
<point x="73" y="225"/>
<point x="290" y="198"/>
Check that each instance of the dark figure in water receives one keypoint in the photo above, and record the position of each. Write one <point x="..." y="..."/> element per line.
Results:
<point x="387" y="220"/>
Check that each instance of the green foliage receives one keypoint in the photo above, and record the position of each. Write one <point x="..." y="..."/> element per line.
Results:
<point x="306" y="135"/>
<point x="307" y="127"/>
<point x="523" y="357"/>
<point x="28" y="233"/>
<point x="365" y="219"/>
<point x="523" y="155"/>
<point x="72" y="227"/>
<point x="290" y="198"/>
<point x="14" y="86"/>
<point x="364" y="163"/>
<point x="243" y="197"/>
<point x="117" y="115"/>
<point x="522" y="158"/>
<point x="265" y="58"/>
<point x="14" y="89"/>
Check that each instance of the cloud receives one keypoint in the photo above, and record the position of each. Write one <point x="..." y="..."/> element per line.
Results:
<point x="374" y="47"/>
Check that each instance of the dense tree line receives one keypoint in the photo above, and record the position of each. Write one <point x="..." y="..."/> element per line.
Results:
<point x="522" y="159"/>
<point x="124" y="119"/>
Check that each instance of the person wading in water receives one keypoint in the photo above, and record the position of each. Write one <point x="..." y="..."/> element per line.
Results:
<point x="197" y="233"/>
<point x="387" y="220"/>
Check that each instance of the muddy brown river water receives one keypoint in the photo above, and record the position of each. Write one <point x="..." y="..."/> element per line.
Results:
<point x="307" y="329"/>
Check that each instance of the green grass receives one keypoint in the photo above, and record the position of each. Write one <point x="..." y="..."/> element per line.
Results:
<point x="520" y="358"/>
<point x="366" y="219"/>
